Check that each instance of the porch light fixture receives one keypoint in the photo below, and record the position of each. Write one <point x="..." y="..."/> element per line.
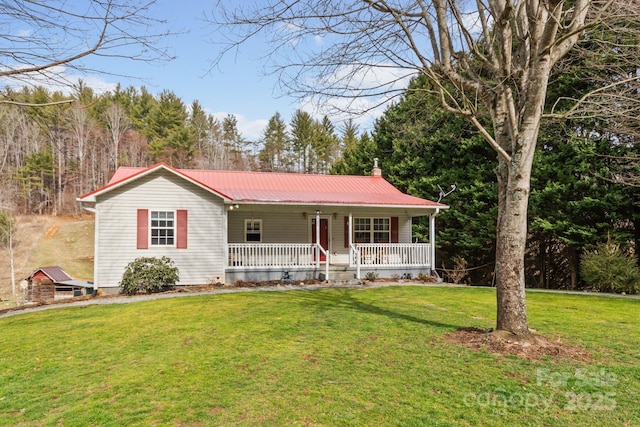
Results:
<point x="234" y="206"/>
<point x="317" y="212"/>
<point x="304" y="215"/>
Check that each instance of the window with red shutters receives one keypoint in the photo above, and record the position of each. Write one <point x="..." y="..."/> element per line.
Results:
<point x="143" y="229"/>
<point x="346" y="231"/>
<point x="162" y="228"/>
<point x="182" y="231"/>
<point x="394" y="230"/>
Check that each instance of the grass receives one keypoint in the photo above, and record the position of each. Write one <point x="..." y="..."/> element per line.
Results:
<point x="329" y="357"/>
<point x="42" y="241"/>
<point x="69" y="244"/>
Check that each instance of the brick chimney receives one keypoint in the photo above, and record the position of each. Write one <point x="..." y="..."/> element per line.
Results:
<point x="376" y="171"/>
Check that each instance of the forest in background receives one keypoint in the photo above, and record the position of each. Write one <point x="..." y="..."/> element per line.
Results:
<point x="583" y="188"/>
<point x="54" y="148"/>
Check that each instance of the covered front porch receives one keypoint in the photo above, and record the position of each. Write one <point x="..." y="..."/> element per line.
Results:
<point x="297" y="261"/>
<point x="333" y="244"/>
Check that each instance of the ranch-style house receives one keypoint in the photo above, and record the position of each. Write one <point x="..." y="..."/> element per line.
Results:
<point x="223" y="226"/>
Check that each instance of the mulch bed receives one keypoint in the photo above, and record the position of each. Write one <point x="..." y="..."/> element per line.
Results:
<point x="533" y="349"/>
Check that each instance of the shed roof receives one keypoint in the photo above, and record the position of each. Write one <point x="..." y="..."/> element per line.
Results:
<point x="281" y="188"/>
<point x="59" y="277"/>
<point x="55" y="273"/>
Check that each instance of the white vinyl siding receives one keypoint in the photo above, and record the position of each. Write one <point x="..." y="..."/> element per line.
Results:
<point x="286" y="225"/>
<point x="202" y="262"/>
<point x="279" y="225"/>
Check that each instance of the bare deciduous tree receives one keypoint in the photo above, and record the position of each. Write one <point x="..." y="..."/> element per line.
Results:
<point x="118" y="122"/>
<point x="39" y="38"/>
<point x="488" y="58"/>
<point x="7" y="240"/>
<point x="18" y="135"/>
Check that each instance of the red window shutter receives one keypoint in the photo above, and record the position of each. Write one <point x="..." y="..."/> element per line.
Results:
<point x="394" y="229"/>
<point x="181" y="230"/>
<point x="143" y="229"/>
<point x="346" y="231"/>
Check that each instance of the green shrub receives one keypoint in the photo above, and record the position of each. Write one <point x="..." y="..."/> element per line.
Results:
<point x="608" y="269"/>
<point x="371" y="276"/>
<point x="149" y="274"/>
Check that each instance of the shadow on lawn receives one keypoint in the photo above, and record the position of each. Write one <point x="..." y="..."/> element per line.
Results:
<point x="346" y="299"/>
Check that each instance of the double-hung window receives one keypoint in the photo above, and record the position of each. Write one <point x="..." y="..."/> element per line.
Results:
<point x="381" y="230"/>
<point x="163" y="228"/>
<point x="371" y="230"/>
<point x="253" y="230"/>
<point x="362" y="230"/>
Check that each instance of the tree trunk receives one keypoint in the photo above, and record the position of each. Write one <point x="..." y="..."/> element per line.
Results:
<point x="513" y="200"/>
<point x="543" y="281"/>
<point x="636" y="237"/>
<point x="573" y="257"/>
<point x="516" y="130"/>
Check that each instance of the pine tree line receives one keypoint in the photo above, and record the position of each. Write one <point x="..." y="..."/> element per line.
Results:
<point x="580" y="194"/>
<point x="55" y="147"/>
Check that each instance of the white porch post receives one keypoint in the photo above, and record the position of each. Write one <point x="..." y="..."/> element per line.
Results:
<point x="318" y="240"/>
<point x="350" y="246"/>
<point x="225" y="242"/>
<point x="432" y="239"/>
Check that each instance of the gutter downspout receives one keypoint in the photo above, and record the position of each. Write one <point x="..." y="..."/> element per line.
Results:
<point x="96" y="226"/>
<point x="86" y="208"/>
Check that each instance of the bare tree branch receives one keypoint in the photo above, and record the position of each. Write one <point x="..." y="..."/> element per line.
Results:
<point x="28" y="104"/>
<point x="38" y="37"/>
<point x="488" y="58"/>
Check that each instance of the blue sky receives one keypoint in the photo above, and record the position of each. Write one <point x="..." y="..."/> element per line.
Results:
<point x="238" y="85"/>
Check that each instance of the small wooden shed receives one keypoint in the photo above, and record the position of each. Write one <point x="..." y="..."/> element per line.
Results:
<point x="47" y="284"/>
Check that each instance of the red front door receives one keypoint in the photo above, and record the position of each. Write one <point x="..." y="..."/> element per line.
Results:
<point x="324" y="235"/>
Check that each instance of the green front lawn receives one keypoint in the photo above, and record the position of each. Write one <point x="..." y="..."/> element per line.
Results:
<point x="331" y="357"/>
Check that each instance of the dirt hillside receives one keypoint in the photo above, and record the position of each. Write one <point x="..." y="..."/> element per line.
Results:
<point x="41" y="241"/>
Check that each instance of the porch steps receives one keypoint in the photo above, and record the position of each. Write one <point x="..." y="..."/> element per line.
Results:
<point x="338" y="276"/>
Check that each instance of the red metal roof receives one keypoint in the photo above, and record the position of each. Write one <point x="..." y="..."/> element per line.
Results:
<point x="282" y="188"/>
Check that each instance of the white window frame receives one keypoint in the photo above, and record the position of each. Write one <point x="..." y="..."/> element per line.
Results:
<point x="248" y="231"/>
<point x="372" y="231"/>
<point x="173" y="228"/>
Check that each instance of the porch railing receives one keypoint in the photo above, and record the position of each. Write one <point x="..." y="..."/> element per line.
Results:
<point x="308" y="255"/>
<point x="276" y="255"/>
<point x="390" y="255"/>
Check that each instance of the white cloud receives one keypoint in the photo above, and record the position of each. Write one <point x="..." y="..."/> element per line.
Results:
<point x="61" y="80"/>
<point x="472" y="23"/>
<point x="383" y="82"/>
<point x="58" y="78"/>
<point x="292" y="33"/>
